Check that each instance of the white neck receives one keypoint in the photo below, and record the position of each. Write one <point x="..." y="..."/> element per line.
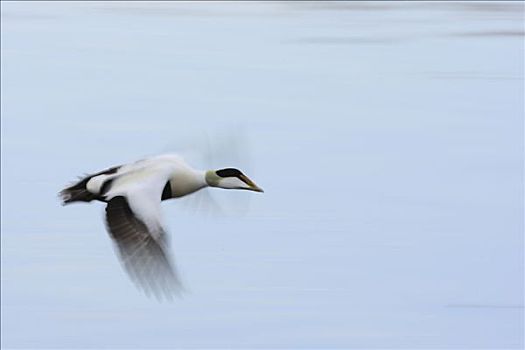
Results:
<point x="183" y="183"/>
<point x="200" y="178"/>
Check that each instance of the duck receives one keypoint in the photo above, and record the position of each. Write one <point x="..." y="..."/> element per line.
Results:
<point x="133" y="194"/>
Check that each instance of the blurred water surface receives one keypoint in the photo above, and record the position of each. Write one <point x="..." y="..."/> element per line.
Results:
<point x="388" y="137"/>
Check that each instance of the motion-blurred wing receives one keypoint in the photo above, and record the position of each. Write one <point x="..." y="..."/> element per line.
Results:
<point x="133" y="221"/>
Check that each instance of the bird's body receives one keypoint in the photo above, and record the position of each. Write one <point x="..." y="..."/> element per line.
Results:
<point x="179" y="178"/>
<point x="133" y="193"/>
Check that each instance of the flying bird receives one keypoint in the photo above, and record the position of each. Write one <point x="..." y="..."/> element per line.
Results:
<point x="133" y="193"/>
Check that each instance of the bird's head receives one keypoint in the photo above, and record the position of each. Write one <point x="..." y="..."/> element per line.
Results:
<point x="232" y="179"/>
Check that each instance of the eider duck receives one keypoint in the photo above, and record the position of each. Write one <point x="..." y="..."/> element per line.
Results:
<point x="133" y="193"/>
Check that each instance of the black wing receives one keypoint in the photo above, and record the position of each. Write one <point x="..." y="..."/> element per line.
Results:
<point x="142" y="253"/>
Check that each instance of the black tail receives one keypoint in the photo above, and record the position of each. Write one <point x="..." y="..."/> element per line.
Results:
<point x="79" y="193"/>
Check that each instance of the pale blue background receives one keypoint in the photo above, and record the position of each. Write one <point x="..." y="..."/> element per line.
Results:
<point x="388" y="138"/>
